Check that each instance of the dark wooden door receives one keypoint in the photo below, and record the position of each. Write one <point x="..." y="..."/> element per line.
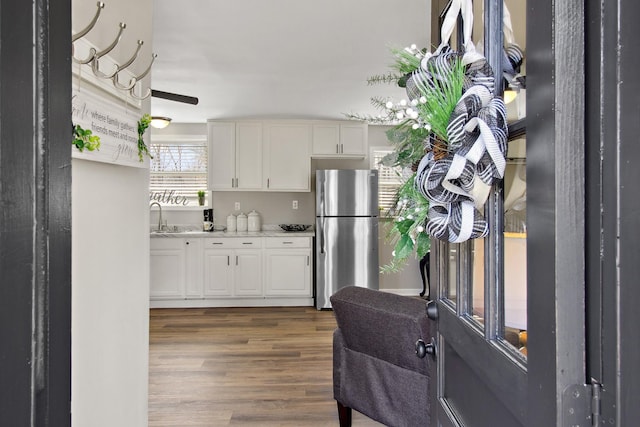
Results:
<point x="35" y="213"/>
<point x="493" y="368"/>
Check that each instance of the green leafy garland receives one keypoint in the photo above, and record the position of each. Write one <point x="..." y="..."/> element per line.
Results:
<point x="85" y="139"/>
<point x="143" y="124"/>
<point x="421" y="122"/>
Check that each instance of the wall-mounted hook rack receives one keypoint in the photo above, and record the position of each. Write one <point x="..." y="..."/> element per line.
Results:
<point x="97" y="55"/>
<point x="94" y="56"/>
<point x="140" y="77"/>
<point x="116" y="83"/>
<point x="89" y="27"/>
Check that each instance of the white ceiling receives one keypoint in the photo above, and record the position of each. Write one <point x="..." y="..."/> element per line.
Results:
<point x="279" y="58"/>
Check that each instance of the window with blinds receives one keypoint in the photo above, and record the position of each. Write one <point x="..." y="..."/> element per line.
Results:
<point x="177" y="172"/>
<point x="389" y="180"/>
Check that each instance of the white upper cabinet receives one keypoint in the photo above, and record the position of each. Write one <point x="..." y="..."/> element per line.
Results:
<point x="353" y="139"/>
<point x="249" y="147"/>
<point x="287" y="160"/>
<point x="275" y="155"/>
<point x="222" y="155"/>
<point x="235" y="156"/>
<point x="339" y="139"/>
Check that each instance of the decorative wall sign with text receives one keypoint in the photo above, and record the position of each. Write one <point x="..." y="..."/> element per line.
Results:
<point x="115" y="124"/>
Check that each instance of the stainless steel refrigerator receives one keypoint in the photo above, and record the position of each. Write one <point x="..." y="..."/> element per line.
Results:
<point x="346" y="231"/>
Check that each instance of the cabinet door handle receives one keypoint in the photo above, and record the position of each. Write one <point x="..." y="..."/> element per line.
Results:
<point x="236" y="259"/>
<point x="337" y="148"/>
<point x="237" y="182"/>
<point x="287" y="243"/>
<point x="233" y="182"/>
<point x="247" y="243"/>
<point x="268" y="182"/>
<point x="307" y="259"/>
<point x="228" y="263"/>
<point x="187" y="243"/>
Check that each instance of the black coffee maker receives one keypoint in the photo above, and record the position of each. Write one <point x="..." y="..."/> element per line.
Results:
<point x="207" y="224"/>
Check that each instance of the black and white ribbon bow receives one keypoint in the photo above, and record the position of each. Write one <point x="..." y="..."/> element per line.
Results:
<point x="458" y="184"/>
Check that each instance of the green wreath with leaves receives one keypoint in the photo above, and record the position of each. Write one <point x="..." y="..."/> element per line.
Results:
<point x="143" y="124"/>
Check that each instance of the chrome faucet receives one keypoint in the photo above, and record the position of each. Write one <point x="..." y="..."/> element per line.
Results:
<point x="159" y="214"/>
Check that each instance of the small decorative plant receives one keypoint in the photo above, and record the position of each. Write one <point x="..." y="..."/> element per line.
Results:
<point x="201" y="195"/>
<point x="85" y="139"/>
<point x="143" y="124"/>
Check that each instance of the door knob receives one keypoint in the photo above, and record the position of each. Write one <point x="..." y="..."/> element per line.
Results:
<point x="422" y="348"/>
<point x="432" y="310"/>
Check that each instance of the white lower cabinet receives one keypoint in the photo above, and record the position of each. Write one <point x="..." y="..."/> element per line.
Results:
<point x="233" y="267"/>
<point x="288" y="266"/>
<point x="193" y="268"/>
<point x="231" y="271"/>
<point x="218" y="273"/>
<point x="167" y="269"/>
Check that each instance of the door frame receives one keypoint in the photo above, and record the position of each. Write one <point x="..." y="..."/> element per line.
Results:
<point x="612" y="250"/>
<point x="35" y="225"/>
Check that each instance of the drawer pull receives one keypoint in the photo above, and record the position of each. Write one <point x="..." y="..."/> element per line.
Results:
<point x="247" y="243"/>
<point x="287" y="243"/>
<point x="217" y="243"/>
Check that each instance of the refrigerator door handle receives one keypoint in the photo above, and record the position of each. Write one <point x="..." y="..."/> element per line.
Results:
<point x="321" y="223"/>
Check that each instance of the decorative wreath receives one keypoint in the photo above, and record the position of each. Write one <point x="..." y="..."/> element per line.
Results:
<point x="452" y="109"/>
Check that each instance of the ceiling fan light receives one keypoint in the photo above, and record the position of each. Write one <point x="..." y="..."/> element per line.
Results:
<point x="160" y="122"/>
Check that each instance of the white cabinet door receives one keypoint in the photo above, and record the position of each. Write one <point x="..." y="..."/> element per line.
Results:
<point x="193" y="277"/>
<point x="248" y="159"/>
<point x="353" y="139"/>
<point x="222" y="155"/>
<point x="288" y="272"/>
<point x="326" y="139"/>
<point x="167" y="269"/>
<point x="339" y="140"/>
<point x="218" y="273"/>
<point x="248" y="273"/>
<point x="235" y="155"/>
<point x="287" y="159"/>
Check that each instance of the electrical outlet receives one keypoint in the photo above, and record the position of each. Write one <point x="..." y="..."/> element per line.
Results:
<point x="237" y="206"/>
<point x="295" y="204"/>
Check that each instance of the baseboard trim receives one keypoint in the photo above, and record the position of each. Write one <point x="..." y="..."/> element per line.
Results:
<point x="404" y="292"/>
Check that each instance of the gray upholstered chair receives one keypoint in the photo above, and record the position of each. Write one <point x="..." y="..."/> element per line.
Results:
<point x="376" y="369"/>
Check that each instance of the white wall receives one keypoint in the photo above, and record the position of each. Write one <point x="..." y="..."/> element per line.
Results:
<point x="110" y="252"/>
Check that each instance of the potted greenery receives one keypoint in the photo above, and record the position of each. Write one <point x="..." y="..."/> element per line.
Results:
<point x="201" y="194"/>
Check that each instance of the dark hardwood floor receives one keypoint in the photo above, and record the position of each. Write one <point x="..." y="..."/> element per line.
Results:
<point x="268" y="366"/>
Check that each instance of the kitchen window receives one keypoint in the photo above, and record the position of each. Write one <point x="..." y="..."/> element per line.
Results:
<point x="178" y="171"/>
<point x="389" y="180"/>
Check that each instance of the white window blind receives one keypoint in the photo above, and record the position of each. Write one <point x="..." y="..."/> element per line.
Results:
<point x="389" y="179"/>
<point x="177" y="172"/>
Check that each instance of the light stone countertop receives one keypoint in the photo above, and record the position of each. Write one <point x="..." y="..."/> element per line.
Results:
<point x="267" y="231"/>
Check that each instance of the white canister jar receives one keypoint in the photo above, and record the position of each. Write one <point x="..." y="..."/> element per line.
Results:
<point x="231" y="222"/>
<point x="254" y="221"/>
<point x="242" y="222"/>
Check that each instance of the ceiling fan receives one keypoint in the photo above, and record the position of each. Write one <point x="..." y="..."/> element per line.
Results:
<point x="162" y="122"/>
<point x="174" y="97"/>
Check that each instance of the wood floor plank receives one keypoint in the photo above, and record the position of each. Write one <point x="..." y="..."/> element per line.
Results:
<point x="264" y="366"/>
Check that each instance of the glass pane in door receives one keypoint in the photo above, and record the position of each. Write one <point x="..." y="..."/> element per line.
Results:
<point x="515" y="247"/>
<point x="477" y="292"/>
<point x="452" y="272"/>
